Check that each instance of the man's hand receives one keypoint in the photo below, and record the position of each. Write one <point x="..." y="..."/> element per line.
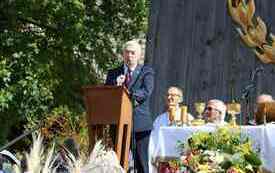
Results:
<point x="120" y="80"/>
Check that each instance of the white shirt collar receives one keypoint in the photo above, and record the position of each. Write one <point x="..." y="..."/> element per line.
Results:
<point x="126" y="69"/>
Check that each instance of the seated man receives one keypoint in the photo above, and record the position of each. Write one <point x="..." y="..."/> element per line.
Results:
<point x="215" y="112"/>
<point x="264" y="98"/>
<point x="258" y="112"/>
<point x="174" y="98"/>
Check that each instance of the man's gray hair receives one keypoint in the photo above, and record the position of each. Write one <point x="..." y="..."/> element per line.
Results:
<point x="179" y="91"/>
<point x="264" y="98"/>
<point x="220" y="106"/>
<point x="133" y="43"/>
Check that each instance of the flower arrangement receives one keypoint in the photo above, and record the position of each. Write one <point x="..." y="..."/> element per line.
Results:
<point x="222" y="151"/>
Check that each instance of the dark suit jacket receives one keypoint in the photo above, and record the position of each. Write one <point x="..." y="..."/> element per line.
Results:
<point x="140" y="89"/>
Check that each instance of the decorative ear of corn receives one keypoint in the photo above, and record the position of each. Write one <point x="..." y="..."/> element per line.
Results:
<point x="252" y="29"/>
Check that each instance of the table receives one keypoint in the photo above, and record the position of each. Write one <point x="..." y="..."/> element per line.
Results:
<point x="163" y="142"/>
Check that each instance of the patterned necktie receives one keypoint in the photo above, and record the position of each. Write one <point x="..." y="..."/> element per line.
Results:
<point x="128" y="78"/>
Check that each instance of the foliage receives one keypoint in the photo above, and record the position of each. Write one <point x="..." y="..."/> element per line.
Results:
<point x="51" y="48"/>
<point x="61" y="125"/>
<point x="221" y="151"/>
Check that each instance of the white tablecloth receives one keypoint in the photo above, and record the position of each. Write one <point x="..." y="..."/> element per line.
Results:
<point x="163" y="142"/>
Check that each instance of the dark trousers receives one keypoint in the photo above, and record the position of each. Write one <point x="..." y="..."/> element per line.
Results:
<point x="140" y="145"/>
<point x="141" y="151"/>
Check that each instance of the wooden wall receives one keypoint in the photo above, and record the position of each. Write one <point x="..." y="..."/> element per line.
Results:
<point x="193" y="44"/>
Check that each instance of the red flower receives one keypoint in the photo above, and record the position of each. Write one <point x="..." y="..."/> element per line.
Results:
<point x="231" y="170"/>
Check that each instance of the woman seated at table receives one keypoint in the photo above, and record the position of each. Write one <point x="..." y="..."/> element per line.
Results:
<point x="173" y="100"/>
<point x="215" y="112"/>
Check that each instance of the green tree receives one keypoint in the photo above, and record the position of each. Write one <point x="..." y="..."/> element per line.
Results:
<point x="50" y="48"/>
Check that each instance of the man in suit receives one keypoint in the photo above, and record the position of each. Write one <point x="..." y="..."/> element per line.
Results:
<point x="139" y="80"/>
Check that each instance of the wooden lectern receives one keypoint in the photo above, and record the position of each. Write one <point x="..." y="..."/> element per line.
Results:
<point x="110" y="105"/>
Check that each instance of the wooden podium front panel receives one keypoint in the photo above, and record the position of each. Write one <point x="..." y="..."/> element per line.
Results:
<point x="103" y="104"/>
<point x="126" y="111"/>
<point x="110" y="105"/>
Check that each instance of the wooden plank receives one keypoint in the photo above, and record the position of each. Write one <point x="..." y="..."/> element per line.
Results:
<point x="194" y="45"/>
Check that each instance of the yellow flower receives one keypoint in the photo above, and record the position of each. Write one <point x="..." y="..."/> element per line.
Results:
<point x="245" y="148"/>
<point x="203" y="167"/>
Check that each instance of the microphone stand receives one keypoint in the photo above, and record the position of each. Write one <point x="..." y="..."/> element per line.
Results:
<point x="246" y="98"/>
<point x="246" y="93"/>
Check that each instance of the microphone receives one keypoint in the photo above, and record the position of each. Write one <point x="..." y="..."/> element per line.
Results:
<point x="252" y="84"/>
<point x="255" y="72"/>
<point x="247" y="89"/>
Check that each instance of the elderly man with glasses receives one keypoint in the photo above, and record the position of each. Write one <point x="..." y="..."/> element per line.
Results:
<point x="215" y="112"/>
<point x="173" y="100"/>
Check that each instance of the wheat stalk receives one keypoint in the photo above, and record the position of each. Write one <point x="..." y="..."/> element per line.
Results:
<point x="99" y="161"/>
